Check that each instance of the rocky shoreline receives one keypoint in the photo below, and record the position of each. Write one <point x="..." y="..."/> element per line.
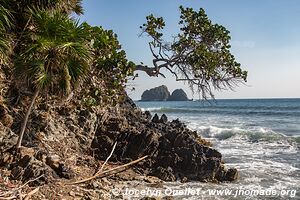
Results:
<point x="175" y="152"/>
<point x="67" y="143"/>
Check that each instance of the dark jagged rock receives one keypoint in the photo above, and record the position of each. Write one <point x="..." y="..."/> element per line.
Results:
<point x="64" y="171"/>
<point x="163" y="119"/>
<point x="166" y="174"/>
<point x="155" y="119"/>
<point x="174" y="151"/>
<point x="28" y="167"/>
<point x="160" y="93"/>
<point x="178" y="95"/>
<point x="147" y="115"/>
<point x="5" y="118"/>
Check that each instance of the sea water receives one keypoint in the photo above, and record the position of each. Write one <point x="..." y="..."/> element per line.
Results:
<point x="259" y="137"/>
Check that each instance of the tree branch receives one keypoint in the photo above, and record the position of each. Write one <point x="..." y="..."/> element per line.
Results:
<point x="109" y="171"/>
<point x="152" y="51"/>
<point x="151" y="71"/>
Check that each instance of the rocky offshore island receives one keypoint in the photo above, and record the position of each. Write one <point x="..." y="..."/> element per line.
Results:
<point x="162" y="93"/>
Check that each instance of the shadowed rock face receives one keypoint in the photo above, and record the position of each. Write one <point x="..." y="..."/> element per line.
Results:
<point x="175" y="152"/>
<point x="178" y="95"/>
<point x="160" y="93"/>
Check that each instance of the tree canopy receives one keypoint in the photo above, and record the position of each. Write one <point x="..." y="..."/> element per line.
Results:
<point x="199" y="54"/>
<point x="49" y="49"/>
<point x="48" y="52"/>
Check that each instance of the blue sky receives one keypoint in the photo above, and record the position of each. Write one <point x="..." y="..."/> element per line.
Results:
<point x="265" y="40"/>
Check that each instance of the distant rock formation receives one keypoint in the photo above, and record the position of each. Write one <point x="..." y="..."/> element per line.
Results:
<point x="160" y="93"/>
<point x="178" y="95"/>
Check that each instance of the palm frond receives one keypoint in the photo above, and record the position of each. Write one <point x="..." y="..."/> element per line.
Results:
<point x="77" y="68"/>
<point x="5" y="16"/>
<point x="58" y="54"/>
<point x="42" y="79"/>
<point x="5" y="24"/>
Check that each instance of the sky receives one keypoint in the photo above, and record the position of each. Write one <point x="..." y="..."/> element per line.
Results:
<point x="265" y="39"/>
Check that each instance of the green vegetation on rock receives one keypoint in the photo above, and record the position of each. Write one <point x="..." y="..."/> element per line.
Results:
<point x="46" y="53"/>
<point x="62" y="87"/>
<point x="51" y="53"/>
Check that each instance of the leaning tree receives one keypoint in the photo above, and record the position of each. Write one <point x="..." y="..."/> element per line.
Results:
<point x="199" y="54"/>
<point x="54" y="57"/>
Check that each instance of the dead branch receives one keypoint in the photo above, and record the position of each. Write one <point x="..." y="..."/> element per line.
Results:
<point x="152" y="51"/>
<point x="21" y="196"/>
<point x="151" y="71"/>
<point x="13" y="191"/>
<point x="109" y="171"/>
<point x="112" y="151"/>
<point x="8" y="198"/>
<point x="27" y="197"/>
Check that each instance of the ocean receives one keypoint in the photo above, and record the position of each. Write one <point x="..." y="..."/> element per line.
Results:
<point x="259" y="137"/>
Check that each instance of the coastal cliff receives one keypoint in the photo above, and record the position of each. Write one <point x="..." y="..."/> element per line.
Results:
<point x="63" y="142"/>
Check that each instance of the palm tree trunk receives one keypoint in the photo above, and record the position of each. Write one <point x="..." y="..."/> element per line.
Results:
<point x="24" y="124"/>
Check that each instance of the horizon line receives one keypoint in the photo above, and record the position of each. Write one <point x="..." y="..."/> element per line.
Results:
<point x="246" y="98"/>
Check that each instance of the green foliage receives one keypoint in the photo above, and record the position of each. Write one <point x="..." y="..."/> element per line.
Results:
<point x="52" y="52"/>
<point x="199" y="54"/>
<point x="16" y="20"/>
<point x="55" y="53"/>
<point x="66" y="7"/>
<point x="109" y="58"/>
<point x="5" y="25"/>
<point x="110" y="67"/>
<point x="5" y="17"/>
<point x="210" y="57"/>
<point x="153" y="26"/>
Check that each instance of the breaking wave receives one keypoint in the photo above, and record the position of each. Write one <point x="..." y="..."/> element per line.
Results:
<point x="251" y="135"/>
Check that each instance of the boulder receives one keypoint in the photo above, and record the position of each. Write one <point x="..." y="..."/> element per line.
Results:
<point x="147" y="115"/>
<point x="155" y="119"/>
<point x="5" y="118"/>
<point x="160" y="93"/>
<point x="163" y="119"/>
<point x="178" y="95"/>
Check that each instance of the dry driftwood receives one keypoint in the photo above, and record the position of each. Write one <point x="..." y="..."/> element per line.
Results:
<point x="12" y="194"/>
<point x="109" y="171"/>
<point x="111" y="153"/>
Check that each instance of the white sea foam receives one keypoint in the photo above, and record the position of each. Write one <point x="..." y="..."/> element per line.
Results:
<point x="151" y="109"/>
<point x="257" y="134"/>
<point x="258" y="144"/>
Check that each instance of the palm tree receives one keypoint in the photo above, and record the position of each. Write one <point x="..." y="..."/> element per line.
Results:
<point x="55" y="56"/>
<point x="5" y="24"/>
<point x="16" y="16"/>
